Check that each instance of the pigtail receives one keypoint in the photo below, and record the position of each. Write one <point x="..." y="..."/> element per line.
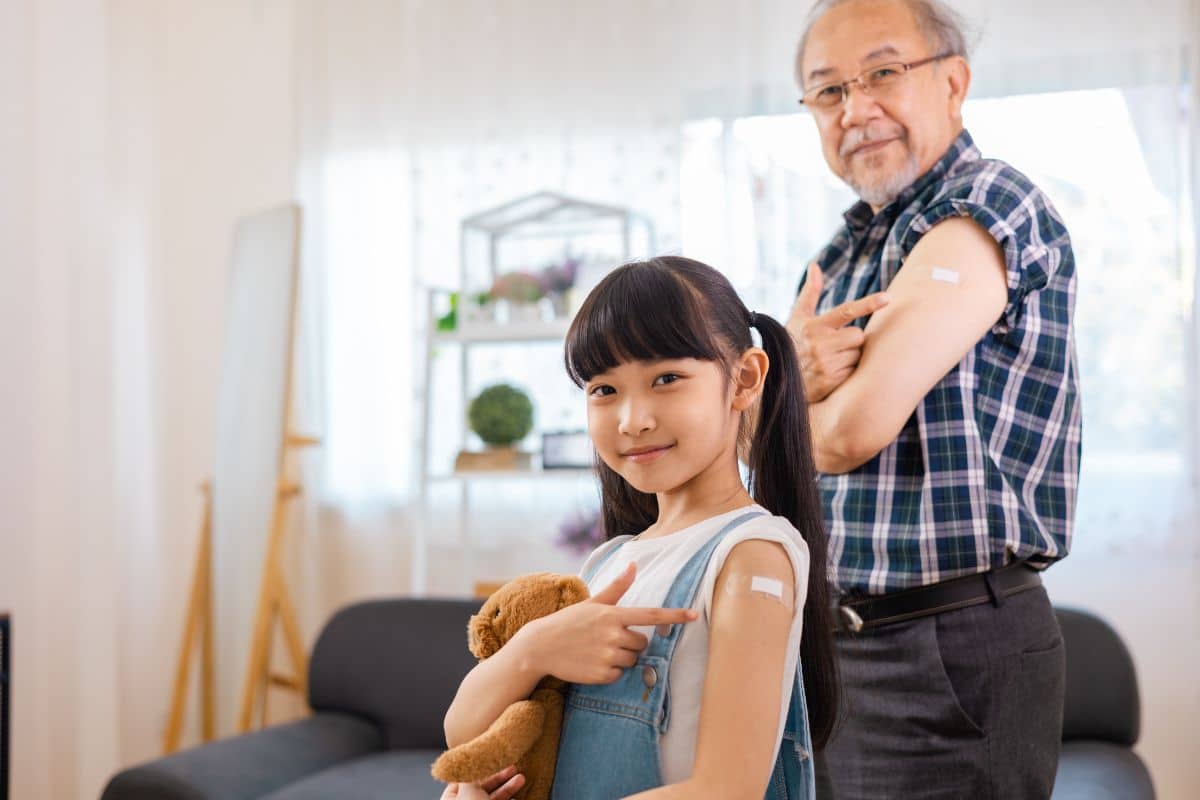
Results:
<point x="781" y="480"/>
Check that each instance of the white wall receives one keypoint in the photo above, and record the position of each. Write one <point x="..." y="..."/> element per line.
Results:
<point x="219" y="80"/>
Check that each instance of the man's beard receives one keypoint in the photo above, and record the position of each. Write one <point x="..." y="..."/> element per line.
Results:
<point x="881" y="192"/>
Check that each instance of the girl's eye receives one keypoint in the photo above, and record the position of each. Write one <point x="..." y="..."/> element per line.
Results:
<point x="601" y="391"/>
<point x="662" y="380"/>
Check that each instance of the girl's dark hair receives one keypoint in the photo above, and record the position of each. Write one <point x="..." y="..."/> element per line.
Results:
<point x="674" y="307"/>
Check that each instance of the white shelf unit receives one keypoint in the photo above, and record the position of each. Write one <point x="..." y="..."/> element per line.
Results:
<point x="465" y="339"/>
<point x="543" y="215"/>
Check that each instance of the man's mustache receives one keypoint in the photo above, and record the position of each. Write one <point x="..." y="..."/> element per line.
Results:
<point x="857" y="137"/>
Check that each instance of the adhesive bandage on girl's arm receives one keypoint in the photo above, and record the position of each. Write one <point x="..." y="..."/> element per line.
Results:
<point x="762" y="586"/>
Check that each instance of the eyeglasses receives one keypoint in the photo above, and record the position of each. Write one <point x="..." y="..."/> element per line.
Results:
<point x="875" y="80"/>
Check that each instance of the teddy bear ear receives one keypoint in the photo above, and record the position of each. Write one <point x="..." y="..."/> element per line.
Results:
<point x="571" y="590"/>
<point x="481" y="639"/>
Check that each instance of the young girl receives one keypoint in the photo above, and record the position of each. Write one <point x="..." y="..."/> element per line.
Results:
<point x="689" y="673"/>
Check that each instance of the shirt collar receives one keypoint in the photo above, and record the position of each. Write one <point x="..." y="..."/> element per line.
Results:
<point x="859" y="216"/>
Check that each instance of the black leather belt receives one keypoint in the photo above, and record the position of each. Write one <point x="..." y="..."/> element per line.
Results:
<point x="857" y="614"/>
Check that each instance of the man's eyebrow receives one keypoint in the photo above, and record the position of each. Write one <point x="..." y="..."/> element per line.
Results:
<point x="886" y="50"/>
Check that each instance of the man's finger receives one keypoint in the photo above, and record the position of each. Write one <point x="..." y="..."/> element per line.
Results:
<point x="610" y="594"/>
<point x="840" y="362"/>
<point x="810" y="293"/>
<point x="848" y="312"/>
<point x="847" y="338"/>
<point x="656" y="616"/>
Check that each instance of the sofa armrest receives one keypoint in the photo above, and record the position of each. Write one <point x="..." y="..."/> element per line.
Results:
<point x="251" y="765"/>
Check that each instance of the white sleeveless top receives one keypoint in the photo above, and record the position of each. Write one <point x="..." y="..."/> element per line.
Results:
<point x="659" y="560"/>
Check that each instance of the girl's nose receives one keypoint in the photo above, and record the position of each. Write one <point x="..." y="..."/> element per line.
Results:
<point x="636" y="419"/>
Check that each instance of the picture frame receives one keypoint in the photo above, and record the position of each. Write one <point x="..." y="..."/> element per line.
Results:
<point x="567" y="450"/>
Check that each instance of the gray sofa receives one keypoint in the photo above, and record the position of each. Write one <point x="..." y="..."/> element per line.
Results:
<point x="383" y="672"/>
<point x="1101" y="715"/>
<point x="381" y="676"/>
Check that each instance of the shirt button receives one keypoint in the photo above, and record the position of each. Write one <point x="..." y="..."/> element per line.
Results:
<point x="664" y="630"/>
<point x="649" y="677"/>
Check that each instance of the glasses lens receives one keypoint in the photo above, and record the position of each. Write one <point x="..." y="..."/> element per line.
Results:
<point x="883" y="75"/>
<point x="824" y="97"/>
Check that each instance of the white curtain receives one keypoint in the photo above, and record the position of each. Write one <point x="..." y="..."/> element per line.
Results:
<point x="58" y="483"/>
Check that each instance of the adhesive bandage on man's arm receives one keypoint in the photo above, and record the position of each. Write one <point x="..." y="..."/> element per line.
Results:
<point x="763" y="587"/>
<point x="945" y="275"/>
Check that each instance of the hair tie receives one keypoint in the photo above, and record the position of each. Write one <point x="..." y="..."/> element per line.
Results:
<point x="753" y="319"/>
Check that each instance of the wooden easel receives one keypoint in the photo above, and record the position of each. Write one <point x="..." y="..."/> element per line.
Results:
<point x="273" y="600"/>
<point x="199" y="620"/>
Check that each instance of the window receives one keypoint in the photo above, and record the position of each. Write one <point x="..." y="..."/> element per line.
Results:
<point x="759" y="199"/>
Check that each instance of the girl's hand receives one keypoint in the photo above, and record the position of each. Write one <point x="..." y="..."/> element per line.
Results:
<point x="501" y="786"/>
<point x="590" y="642"/>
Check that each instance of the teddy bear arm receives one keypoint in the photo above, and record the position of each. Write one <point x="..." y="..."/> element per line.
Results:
<point x="538" y="764"/>
<point x="503" y="743"/>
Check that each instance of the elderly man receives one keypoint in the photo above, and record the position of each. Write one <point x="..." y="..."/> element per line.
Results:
<point x="935" y="336"/>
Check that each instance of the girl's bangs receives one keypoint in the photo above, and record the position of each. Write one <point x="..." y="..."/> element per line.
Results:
<point x="639" y="312"/>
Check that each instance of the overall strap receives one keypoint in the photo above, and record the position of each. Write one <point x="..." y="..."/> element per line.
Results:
<point x="613" y="546"/>
<point x="682" y="593"/>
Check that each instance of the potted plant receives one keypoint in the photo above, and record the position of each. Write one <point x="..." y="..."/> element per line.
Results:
<point x="501" y="415"/>
<point x="521" y="291"/>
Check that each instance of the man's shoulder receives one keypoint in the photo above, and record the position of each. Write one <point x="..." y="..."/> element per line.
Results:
<point x="994" y="184"/>
<point x="1001" y="198"/>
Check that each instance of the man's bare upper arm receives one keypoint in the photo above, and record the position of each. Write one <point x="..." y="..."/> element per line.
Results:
<point x="948" y="294"/>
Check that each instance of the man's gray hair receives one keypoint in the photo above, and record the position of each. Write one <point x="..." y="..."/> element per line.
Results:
<point x="943" y="27"/>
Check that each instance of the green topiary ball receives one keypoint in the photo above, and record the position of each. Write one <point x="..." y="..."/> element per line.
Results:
<point x="501" y="415"/>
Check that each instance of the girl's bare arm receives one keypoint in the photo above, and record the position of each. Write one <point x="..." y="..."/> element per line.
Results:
<point x="742" y="690"/>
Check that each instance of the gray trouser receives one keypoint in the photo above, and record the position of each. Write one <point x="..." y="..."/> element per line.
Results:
<point x="964" y="704"/>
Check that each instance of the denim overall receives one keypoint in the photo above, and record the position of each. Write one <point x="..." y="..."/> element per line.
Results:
<point x="609" y="743"/>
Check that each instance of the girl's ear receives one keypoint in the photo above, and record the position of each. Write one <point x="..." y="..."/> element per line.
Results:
<point x="749" y="374"/>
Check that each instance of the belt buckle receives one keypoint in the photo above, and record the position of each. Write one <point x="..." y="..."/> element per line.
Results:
<point x="851" y="618"/>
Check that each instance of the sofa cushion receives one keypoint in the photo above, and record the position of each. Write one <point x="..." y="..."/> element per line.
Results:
<point x="1101" y="701"/>
<point x="249" y="766"/>
<point x="395" y="775"/>
<point x="1101" y="771"/>
<point x="395" y="662"/>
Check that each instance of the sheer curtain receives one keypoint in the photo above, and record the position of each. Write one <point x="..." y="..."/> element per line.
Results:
<point x="414" y="115"/>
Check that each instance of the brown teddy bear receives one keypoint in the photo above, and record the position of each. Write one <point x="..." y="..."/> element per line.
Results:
<point x="526" y="733"/>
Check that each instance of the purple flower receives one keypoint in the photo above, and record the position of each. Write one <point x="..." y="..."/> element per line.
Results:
<point x="559" y="277"/>
<point x="582" y="532"/>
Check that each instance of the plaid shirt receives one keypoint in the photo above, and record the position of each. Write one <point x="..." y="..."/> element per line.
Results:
<point x="987" y="468"/>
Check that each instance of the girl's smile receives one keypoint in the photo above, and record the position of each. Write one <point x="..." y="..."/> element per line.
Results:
<point x="666" y="425"/>
<point x="648" y="454"/>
